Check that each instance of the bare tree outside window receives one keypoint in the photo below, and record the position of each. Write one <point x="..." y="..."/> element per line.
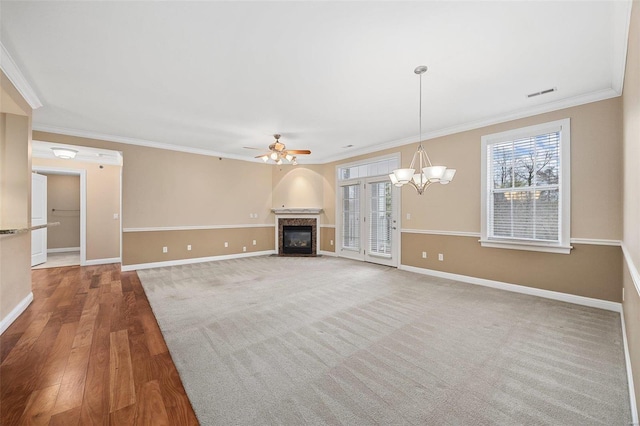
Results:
<point x="525" y="194"/>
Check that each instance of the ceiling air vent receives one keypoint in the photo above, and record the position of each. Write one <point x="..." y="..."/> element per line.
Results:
<point x="542" y="92"/>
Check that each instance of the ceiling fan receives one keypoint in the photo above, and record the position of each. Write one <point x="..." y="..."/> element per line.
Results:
<point x="279" y="152"/>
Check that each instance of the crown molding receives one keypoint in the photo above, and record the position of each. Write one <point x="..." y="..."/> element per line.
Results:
<point x="13" y="73"/>
<point x="621" y="33"/>
<point x="599" y="95"/>
<point x="523" y="113"/>
<point x="137" y="142"/>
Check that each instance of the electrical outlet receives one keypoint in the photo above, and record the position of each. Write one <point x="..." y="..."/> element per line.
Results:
<point x="331" y="242"/>
<point x="188" y="247"/>
<point x="254" y="242"/>
<point x="440" y="257"/>
<point x="424" y="254"/>
<point x="244" y="249"/>
<point x="165" y="249"/>
<point x="226" y="244"/>
<point x="408" y="216"/>
<point x="116" y="216"/>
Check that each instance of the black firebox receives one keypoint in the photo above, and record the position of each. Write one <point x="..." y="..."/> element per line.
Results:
<point x="297" y="240"/>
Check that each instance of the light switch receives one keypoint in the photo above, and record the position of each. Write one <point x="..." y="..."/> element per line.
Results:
<point x="115" y="216"/>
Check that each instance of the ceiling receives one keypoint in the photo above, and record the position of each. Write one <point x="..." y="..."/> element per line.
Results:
<point x="333" y="77"/>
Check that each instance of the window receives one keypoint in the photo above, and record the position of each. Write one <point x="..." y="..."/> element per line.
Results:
<point x="374" y="168"/>
<point x="526" y="188"/>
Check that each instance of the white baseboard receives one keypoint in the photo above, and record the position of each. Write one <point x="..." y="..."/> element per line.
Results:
<point x="547" y="294"/>
<point x="15" y="313"/>
<point x="93" y="262"/>
<point x="627" y="359"/>
<point x="63" y="249"/>
<point x="125" y="268"/>
<point x="328" y="253"/>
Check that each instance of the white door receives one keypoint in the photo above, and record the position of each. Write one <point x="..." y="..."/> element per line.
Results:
<point x="38" y="217"/>
<point x="368" y="228"/>
<point x="380" y="222"/>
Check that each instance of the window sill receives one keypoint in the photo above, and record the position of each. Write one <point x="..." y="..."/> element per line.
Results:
<point x="522" y="245"/>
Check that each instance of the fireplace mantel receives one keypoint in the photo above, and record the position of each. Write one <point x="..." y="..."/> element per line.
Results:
<point x="298" y="216"/>
<point x="308" y="210"/>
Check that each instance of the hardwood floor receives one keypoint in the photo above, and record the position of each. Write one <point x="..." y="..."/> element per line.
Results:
<point x="88" y="350"/>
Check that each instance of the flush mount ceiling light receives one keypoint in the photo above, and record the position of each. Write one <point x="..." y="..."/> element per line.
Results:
<point x="64" y="153"/>
<point x="427" y="173"/>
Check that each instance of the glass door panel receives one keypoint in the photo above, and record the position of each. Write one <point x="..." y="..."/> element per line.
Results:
<point x="351" y="225"/>
<point x="380" y="219"/>
<point x="381" y="226"/>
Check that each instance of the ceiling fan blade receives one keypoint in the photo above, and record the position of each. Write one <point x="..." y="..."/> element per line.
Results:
<point x="299" y="151"/>
<point x="250" y="147"/>
<point x="262" y="155"/>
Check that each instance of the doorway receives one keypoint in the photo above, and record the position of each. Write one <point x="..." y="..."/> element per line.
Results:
<point x="369" y="211"/>
<point x="67" y="213"/>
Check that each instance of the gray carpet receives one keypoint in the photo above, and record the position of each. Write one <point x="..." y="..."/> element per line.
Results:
<point x="293" y="341"/>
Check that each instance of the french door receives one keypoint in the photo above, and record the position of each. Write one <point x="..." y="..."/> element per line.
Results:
<point x="369" y="228"/>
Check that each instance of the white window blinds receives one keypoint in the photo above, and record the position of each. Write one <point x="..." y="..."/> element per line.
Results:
<point x="380" y="210"/>
<point x="526" y="187"/>
<point x="351" y="217"/>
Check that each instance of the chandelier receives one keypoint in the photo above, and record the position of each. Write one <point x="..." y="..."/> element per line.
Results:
<point x="426" y="173"/>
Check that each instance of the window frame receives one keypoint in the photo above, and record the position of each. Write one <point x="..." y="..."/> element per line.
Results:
<point x="563" y="246"/>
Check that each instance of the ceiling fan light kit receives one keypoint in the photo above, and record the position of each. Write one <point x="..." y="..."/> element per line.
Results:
<point x="279" y="153"/>
<point x="426" y="173"/>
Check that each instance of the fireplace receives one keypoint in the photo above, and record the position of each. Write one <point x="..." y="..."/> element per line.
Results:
<point x="297" y="239"/>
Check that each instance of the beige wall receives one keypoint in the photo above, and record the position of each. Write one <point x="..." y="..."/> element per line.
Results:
<point x="297" y="186"/>
<point x="146" y="247"/>
<point x="631" y="214"/>
<point x="168" y="189"/>
<point x="304" y="186"/>
<point x="596" y="144"/>
<point x="589" y="271"/>
<point x="327" y="236"/>
<point x="63" y="195"/>
<point x="162" y="188"/>
<point x="15" y="196"/>
<point x="103" y="200"/>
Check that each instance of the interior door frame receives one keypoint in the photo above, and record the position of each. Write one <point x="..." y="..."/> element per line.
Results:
<point x="38" y="236"/>
<point x="83" y="201"/>
<point x="396" y="236"/>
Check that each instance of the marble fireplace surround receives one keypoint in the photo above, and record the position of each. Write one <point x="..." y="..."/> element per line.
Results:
<point x="298" y="217"/>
